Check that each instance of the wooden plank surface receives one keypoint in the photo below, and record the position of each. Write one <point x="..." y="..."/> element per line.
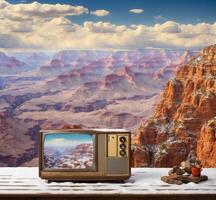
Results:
<point x="145" y="183"/>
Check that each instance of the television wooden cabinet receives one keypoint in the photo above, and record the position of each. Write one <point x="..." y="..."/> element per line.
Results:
<point x="145" y="183"/>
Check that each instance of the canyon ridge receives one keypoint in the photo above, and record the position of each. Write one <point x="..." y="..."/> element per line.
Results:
<point x="184" y="120"/>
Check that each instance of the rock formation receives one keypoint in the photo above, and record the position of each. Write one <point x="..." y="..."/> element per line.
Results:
<point x="206" y="146"/>
<point x="184" y="120"/>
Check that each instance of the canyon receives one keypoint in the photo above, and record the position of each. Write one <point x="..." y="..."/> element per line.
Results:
<point x="78" y="88"/>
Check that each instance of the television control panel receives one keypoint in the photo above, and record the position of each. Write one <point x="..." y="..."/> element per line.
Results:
<point x="118" y="145"/>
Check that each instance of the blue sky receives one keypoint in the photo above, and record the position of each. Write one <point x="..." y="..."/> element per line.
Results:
<point x="184" y="11"/>
<point x="69" y="137"/>
<point x="66" y="140"/>
<point x="106" y="24"/>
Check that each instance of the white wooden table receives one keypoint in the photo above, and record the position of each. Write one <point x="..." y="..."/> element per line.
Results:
<point x="24" y="183"/>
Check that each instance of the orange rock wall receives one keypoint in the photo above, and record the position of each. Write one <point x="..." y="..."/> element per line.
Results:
<point x="180" y="122"/>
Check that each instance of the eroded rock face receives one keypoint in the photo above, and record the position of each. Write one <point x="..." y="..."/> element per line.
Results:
<point x="206" y="145"/>
<point x="141" y="157"/>
<point x="188" y="103"/>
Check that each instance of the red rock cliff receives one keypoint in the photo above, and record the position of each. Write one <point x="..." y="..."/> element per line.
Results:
<point x="182" y="117"/>
<point x="206" y="145"/>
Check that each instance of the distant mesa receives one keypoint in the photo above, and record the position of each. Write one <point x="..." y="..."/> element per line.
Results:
<point x="73" y="78"/>
<point x="55" y="67"/>
<point x="10" y="65"/>
<point x="37" y="58"/>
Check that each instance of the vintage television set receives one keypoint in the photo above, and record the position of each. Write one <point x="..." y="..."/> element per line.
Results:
<point x="84" y="155"/>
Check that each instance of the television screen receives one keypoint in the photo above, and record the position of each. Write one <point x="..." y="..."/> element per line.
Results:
<point x="69" y="151"/>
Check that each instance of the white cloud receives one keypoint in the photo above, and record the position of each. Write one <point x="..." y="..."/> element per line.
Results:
<point x="3" y="4"/>
<point x="8" y="41"/>
<point x="63" y="143"/>
<point x="103" y="27"/>
<point x="136" y="11"/>
<point x="19" y="12"/>
<point x="100" y="13"/>
<point x="168" y="27"/>
<point x="55" y="141"/>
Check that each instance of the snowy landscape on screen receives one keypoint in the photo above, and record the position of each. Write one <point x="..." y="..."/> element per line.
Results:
<point x="68" y="151"/>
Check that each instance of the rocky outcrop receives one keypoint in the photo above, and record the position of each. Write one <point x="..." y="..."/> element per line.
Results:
<point x="206" y="146"/>
<point x="180" y="119"/>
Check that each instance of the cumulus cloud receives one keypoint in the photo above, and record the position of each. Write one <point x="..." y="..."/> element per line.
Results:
<point x="100" y="13"/>
<point x="136" y="11"/>
<point x="3" y="4"/>
<point x="103" y="27"/>
<point x="64" y="143"/>
<point x="18" y="12"/>
<point x="54" y="33"/>
<point x="8" y="41"/>
<point x="168" y="27"/>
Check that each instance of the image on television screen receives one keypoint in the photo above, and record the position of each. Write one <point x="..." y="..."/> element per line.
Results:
<point x="69" y="151"/>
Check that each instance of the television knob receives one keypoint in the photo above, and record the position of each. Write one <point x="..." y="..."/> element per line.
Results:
<point x="122" y="139"/>
<point x="122" y="153"/>
<point x="122" y="146"/>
